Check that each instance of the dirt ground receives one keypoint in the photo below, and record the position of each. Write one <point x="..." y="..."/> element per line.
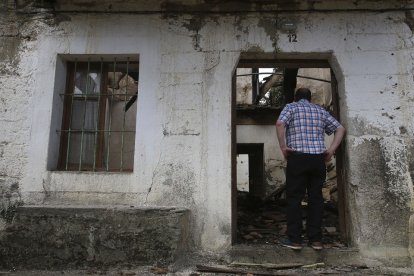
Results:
<point x="192" y="271"/>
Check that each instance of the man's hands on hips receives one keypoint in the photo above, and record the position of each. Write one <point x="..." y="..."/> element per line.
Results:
<point x="328" y="154"/>
<point x="286" y="150"/>
<point x="339" y="134"/>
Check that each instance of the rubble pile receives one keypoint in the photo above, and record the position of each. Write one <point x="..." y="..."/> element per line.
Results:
<point x="264" y="222"/>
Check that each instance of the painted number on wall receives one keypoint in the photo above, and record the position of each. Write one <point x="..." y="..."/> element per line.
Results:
<point x="293" y="37"/>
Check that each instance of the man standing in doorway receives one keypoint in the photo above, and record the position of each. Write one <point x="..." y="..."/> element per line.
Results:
<point x="304" y="125"/>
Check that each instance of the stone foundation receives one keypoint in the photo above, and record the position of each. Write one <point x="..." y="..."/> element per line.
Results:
<point x="75" y="237"/>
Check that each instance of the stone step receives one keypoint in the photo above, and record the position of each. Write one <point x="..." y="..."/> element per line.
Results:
<point x="46" y="237"/>
<point x="277" y="254"/>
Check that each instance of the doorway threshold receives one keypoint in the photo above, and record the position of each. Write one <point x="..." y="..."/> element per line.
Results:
<point x="277" y="254"/>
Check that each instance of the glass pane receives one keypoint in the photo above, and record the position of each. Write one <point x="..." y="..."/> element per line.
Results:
<point x="88" y="143"/>
<point x="120" y="146"/>
<point x="87" y="80"/>
<point x="85" y="115"/>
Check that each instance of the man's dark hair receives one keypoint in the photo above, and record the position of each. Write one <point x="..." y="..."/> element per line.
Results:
<point x="303" y="93"/>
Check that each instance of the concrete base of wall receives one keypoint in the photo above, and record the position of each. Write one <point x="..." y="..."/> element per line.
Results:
<point x="55" y="237"/>
<point x="281" y="255"/>
<point x="277" y="254"/>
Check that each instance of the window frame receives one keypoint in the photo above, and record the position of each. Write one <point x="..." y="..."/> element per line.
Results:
<point x="103" y="99"/>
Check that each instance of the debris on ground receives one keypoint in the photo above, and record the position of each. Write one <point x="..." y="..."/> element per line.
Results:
<point x="264" y="222"/>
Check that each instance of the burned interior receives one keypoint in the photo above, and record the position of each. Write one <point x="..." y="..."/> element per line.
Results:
<point x="262" y="89"/>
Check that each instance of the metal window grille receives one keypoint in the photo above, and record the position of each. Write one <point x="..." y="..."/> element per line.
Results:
<point x="98" y="125"/>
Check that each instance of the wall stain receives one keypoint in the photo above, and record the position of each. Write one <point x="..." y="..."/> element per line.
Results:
<point x="238" y="23"/>
<point x="379" y="189"/>
<point x="394" y="152"/>
<point x="358" y="126"/>
<point x="269" y="26"/>
<point x="10" y="198"/>
<point x="409" y="20"/>
<point x="180" y="178"/>
<point x="193" y="24"/>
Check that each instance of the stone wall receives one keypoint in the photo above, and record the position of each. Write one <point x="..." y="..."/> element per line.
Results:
<point x="73" y="237"/>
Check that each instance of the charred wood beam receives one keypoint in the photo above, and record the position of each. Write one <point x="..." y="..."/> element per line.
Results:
<point x="225" y="269"/>
<point x="289" y="84"/>
<point x="255" y="83"/>
<point x="130" y="102"/>
<point x="270" y="82"/>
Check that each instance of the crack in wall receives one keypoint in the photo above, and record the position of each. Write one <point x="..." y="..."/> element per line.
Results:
<point x="154" y="173"/>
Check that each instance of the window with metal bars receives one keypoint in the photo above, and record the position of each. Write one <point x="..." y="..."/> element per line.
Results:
<point x="99" y="116"/>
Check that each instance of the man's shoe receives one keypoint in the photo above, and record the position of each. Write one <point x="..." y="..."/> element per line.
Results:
<point x="316" y="245"/>
<point x="291" y="245"/>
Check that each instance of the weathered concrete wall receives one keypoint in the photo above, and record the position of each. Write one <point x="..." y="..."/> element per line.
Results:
<point x="16" y="80"/>
<point x="243" y="172"/>
<point x="383" y="197"/>
<point x="72" y="237"/>
<point x="244" y="86"/>
<point x="183" y="140"/>
<point x="274" y="163"/>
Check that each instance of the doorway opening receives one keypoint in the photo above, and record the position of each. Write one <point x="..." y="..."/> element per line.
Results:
<point x="261" y="88"/>
<point x="250" y="169"/>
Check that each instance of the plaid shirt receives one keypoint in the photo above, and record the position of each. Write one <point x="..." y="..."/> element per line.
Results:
<point x="306" y="125"/>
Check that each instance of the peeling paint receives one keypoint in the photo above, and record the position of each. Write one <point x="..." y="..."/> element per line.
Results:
<point x="395" y="155"/>
<point x="185" y="132"/>
<point x="211" y="60"/>
<point x="10" y="198"/>
<point x="180" y="178"/>
<point x="360" y="127"/>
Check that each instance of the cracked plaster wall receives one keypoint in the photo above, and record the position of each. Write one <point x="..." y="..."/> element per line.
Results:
<point x="16" y="82"/>
<point x="182" y="153"/>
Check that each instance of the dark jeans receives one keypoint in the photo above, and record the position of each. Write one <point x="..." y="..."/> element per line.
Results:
<point x="305" y="172"/>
